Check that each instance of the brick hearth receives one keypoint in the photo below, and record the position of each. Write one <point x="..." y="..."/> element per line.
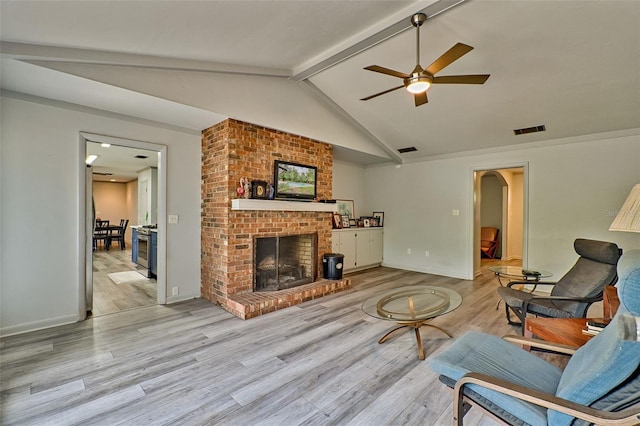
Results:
<point x="233" y="149"/>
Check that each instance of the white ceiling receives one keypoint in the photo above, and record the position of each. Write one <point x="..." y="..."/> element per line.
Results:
<point x="573" y="66"/>
<point x="119" y="163"/>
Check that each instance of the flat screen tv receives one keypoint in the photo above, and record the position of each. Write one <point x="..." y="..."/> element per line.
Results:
<point x="294" y="181"/>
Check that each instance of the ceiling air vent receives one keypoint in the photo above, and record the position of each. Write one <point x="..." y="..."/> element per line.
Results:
<point x="142" y="157"/>
<point x="102" y="174"/>
<point x="408" y="149"/>
<point x="533" y="129"/>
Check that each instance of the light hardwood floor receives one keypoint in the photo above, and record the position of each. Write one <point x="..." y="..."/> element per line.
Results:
<point x="109" y="297"/>
<point x="192" y="363"/>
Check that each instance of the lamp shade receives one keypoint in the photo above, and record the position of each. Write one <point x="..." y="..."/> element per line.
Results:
<point x="628" y="217"/>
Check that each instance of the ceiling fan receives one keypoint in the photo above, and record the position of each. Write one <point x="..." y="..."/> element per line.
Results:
<point x="421" y="79"/>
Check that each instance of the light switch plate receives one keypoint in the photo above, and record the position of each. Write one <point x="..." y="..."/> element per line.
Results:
<point x="173" y="218"/>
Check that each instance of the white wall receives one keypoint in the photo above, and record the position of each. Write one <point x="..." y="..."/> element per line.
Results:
<point x="349" y="184"/>
<point x="573" y="187"/>
<point x="110" y="200"/>
<point x="113" y="203"/>
<point x="39" y="217"/>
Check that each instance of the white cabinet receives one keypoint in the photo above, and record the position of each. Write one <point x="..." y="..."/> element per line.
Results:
<point x="148" y="196"/>
<point x="362" y="247"/>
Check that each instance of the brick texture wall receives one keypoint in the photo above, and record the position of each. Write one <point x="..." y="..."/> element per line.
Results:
<point x="233" y="149"/>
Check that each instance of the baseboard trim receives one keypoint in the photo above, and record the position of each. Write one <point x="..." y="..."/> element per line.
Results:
<point x="38" y="325"/>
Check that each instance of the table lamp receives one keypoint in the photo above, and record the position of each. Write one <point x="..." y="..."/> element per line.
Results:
<point x="628" y="217"/>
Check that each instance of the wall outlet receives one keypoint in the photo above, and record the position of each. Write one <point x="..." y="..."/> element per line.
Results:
<point x="173" y="218"/>
<point x="426" y="253"/>
<point x="455" y="212"/>
<point x="175" y="291"/>
<point x="408" y="251"/>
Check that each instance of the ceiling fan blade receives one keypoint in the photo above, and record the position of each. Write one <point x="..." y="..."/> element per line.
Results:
<point x="382" y="93"/>
<point x="453" y="54"/>
<point x="461" y="79"/>
<point x="387" y="71"/>
<point x="420" y="98"/>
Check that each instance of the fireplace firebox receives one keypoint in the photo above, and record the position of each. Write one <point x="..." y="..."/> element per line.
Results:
<point x="282" y="262"/>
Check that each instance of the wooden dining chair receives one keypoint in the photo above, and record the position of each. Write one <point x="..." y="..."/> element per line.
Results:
<point x="118" y="234"/>
<point x="101" y="233"/>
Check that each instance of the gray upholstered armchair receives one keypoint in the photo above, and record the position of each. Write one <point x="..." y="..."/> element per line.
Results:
<point x="600" y="383"/>
<point x="572" y="295"/>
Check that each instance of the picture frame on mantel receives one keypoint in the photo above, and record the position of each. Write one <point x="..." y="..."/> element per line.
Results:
<point x="346" y="208"/>
<point x="380" y="217"/>
<point x="337" y="221"/>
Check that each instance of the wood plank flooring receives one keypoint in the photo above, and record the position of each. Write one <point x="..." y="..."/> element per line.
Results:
<point x="109" y="297"/>
<point x="192" y="363"/>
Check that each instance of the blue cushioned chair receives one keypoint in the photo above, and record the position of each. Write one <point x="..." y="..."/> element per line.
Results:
<point x="600" y="384"/>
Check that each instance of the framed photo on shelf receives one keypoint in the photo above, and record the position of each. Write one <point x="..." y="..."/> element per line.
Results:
<point x="346" y="208"/>
<point x="373" y="221"/>
<point x="353" y="223"/>
<point x="345" y="221"/>
<point x="337" y="221"/>
<point x="367" y="224"/>
<point x="380" y="217"/>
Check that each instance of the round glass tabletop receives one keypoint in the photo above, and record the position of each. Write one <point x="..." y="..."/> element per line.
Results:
<point x="412" y="304"/>
<point x="519" y="272"/>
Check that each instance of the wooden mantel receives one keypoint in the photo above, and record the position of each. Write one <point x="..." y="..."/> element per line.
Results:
<point x="283" y="206"/>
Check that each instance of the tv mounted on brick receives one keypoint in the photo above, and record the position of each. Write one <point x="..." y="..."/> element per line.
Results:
<point x="294" y="181"/>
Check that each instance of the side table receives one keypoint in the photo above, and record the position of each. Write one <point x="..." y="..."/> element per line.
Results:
<point x="568" y="331"/>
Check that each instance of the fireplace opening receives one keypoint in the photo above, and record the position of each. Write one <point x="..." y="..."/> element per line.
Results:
<point x="283" y="262"/>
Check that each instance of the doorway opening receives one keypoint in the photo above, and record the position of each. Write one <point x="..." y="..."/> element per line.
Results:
<point x="500" y="207"/>
<point x="114" y="279"/>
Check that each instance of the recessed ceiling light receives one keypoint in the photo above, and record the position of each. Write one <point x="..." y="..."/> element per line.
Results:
<point x="90" y="158"/>
<point x="112" y="180"/>
<point x="105" y="145"/>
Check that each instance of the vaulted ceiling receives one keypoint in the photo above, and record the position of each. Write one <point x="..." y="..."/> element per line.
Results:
<point x="573" y="66"/>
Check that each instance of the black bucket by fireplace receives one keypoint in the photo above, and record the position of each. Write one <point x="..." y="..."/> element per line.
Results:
<point x="285" y="261"/>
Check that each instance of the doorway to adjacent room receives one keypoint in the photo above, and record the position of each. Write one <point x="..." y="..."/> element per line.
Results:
<point x="114" y="281"/>
<point x="500" y="203"/>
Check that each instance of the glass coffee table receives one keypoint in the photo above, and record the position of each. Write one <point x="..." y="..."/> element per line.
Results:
<point x="412" y="307"/>
<point x="517" y="272"/>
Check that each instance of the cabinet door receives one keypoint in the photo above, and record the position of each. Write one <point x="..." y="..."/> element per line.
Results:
<point x="153" y="254"/>
<point x="134" y="245"/>
<point x="375" y="241"/>
<point x="335" y="242"/>
<point x="363" y="248"/>
<point x="369" y="247"/>
<point x="348" y="248"/>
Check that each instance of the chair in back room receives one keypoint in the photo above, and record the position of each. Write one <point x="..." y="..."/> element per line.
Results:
<point x="101" y="233"/>
<point x="118" y="235"/>
<point x="489" y="241"/>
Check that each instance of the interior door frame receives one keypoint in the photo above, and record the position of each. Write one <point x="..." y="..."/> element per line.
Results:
<point x="475" y="209"/>
<point x="161" y="278"/>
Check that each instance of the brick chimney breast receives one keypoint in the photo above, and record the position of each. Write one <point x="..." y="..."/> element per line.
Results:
<point x="234" y="149"/>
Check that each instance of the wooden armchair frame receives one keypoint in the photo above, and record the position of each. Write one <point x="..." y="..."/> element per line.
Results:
<point x="462" y="402"/>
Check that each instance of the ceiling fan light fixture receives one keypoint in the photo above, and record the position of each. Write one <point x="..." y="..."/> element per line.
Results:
<point x="418" y="86"/>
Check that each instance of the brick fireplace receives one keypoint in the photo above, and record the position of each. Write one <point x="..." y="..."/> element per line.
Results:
<point x="282" y="262"/>
<point x="234" y="149"/>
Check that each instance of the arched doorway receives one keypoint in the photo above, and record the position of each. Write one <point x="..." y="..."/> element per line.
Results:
<point x="499" y="201"/>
